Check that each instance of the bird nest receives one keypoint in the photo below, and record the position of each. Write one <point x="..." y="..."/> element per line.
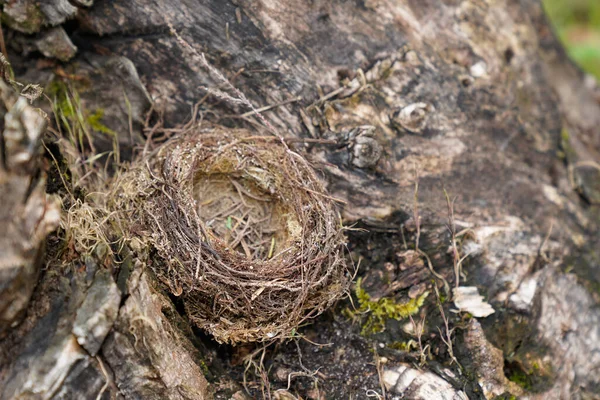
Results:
<point x="246" y="234"/>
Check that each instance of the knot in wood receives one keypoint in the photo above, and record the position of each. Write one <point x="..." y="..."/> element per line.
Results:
<point x="365" y="149"/>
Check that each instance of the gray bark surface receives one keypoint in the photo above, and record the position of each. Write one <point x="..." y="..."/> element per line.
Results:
<point x="474" y="97"/>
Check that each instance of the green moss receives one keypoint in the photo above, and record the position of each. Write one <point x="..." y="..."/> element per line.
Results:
<point x="95" y="122"/>
<point x="520" y="378"/>
<point x="61" y="102"/>
<point x="443" y="298"/>
<point x="528" y="373"/>
<point x="565" y="144"/>
<point x="403" y="346"/>
<point x="204" y="368"/>
<point x="378" y="312"/>
<point x="76" y="122"/>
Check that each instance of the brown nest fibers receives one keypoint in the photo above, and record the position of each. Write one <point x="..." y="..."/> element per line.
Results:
<point x="246" y="234"/>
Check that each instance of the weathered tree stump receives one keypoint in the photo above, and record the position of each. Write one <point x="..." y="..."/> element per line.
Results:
<point x="475" y="98"/>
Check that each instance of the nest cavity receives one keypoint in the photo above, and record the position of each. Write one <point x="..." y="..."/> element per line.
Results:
<point x="246" y="234"/>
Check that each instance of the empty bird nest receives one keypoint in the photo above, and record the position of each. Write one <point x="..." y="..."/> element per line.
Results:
<point x="247" y="236"/>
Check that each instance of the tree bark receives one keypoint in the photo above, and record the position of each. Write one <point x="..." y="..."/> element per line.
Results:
<point x="474" y="98"/>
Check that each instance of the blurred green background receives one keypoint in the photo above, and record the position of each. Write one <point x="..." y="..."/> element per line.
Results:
<point x="577" y="23"/>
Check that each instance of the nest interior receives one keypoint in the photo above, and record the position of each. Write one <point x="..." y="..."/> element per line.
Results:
<point x="237" y="213"/>
<point x="247" y="235"/>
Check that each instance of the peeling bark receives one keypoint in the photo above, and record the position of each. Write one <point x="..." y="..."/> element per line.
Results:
<point x="27" y="215"/>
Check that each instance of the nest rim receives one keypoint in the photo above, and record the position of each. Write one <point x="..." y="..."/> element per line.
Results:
<point x="234" y="297"/>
